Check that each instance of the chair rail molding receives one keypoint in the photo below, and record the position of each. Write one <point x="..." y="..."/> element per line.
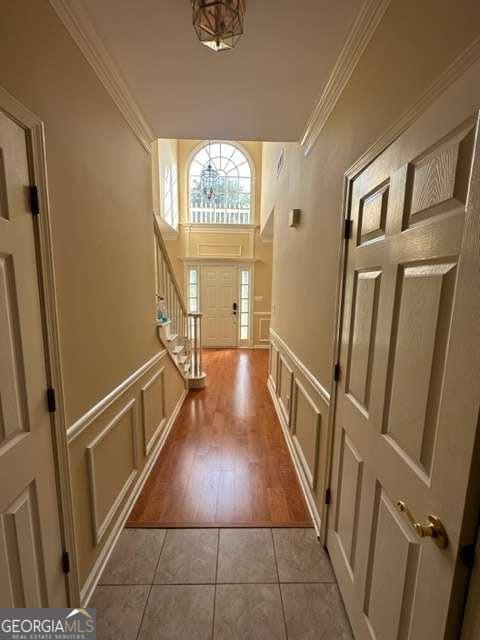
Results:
<point x="357" y="40"/>
<point x="313" y="380"/>
<point x="78" y="23"/>
<point x="92" y="414"/>
<point x="88" y="586"/>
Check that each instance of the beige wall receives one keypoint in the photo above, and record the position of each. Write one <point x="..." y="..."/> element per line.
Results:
<point x="413" y="45"/>
<point x="165" y="161"/>
<point x="101" y="210"/>
<point x="100" y="191"/>
<point x="270" y="156"/>
<point x="262" y="251"/>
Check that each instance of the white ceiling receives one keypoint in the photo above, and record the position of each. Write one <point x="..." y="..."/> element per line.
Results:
<point x="265" y="89"/>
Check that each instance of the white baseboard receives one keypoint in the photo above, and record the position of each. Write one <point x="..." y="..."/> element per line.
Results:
<point x="262" y="346"/>
<point x="91" y="582"/>
<point x="304" y="484"/>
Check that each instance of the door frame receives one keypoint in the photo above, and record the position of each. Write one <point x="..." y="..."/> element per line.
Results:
<point x="460" y="65"/>
<point x="245" y="265"/>
<point x="471" y="514"/>
<point x="35" y="131"/>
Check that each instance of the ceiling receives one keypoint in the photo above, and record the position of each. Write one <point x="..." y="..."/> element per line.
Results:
<point x="265" y="89"/>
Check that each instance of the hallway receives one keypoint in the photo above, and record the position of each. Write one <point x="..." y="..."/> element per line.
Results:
<point x="225" y="462"/>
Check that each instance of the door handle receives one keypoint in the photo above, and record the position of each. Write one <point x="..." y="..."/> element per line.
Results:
<point x="234" y="308"/>
<point x="432" y="529"/>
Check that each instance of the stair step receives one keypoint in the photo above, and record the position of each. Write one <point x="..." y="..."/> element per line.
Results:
<point x="172" y="337"/>
<point x="182" y="359"/>
<point x="178" y="349"/>
<point x="187" y="368"/>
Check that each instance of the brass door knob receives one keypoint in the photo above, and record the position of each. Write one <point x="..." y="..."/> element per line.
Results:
<point x="432" y="529"/>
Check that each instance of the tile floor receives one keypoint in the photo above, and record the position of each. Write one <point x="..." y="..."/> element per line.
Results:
<point x="220" y="584"/>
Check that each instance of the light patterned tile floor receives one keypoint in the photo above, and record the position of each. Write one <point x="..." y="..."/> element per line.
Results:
<point x="216" y="584"/>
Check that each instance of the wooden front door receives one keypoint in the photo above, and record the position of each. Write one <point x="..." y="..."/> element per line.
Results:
<point x="30" y="541"/>
<point x="219" y="292"/>
<point x="408" y="399"/>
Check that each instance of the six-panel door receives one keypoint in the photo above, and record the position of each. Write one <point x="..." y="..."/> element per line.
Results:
<point x="407" y="406"/>
<point x="30" y="543"/>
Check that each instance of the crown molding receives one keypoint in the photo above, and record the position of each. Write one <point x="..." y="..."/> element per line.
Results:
<point x="450" y="75"/>
<point x="357" y="40"/>
<point x="78" y="24"/>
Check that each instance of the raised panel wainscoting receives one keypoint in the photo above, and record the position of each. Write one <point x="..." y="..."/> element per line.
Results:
<point x="112" y="450"/>
<point x="302" y="406"/>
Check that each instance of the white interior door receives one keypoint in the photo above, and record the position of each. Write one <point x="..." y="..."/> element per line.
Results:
<point x="30" y="540"/>
<point x="408" y="399"/>
<point x="218" y="293"/>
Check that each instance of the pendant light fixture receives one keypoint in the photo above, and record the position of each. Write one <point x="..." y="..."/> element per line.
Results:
<point x="209" y="177"/>
<point x="218" y="23"/>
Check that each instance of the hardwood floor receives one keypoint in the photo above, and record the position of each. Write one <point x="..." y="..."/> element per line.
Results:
<point x="225" y="462"/>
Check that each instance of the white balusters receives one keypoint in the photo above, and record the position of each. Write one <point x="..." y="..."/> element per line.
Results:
<point x="183" y="333"/>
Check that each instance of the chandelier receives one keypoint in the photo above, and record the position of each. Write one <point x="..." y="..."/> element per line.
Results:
<point x="208" y="180"/>
<point x="218" y="23"/>
<point x="208" y="177"/>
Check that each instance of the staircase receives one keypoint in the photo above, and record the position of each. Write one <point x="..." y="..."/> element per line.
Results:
<point x="180" y="331"/>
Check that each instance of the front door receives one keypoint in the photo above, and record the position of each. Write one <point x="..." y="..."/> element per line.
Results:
<point x="30" y="541"/>
<point x="408" y="398"/>
<point x="218" y="295"/>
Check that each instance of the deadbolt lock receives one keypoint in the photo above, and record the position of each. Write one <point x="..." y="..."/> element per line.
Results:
<point x="432" y="529"/>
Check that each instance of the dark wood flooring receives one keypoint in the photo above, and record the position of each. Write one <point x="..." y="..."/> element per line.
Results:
<point x="225" y="462"/>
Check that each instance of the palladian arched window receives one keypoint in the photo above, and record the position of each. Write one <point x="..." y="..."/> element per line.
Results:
<point x="220" y="186"/>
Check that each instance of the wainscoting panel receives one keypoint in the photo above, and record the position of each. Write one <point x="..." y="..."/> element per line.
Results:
<point x="109" y="483"/>
<point x="112" y="449"/>
<point x="261" y="329"/>
<point x="284" y="388"/>
<point x="305" y="426"/>
<point x="273" y="366"/>
<point x="153" y="409"/>
<point x="302" y="406"/>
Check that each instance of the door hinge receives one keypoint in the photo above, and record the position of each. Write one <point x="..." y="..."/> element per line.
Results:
<point x="328" y="496"/>
<point x="66" y="562"/>
<point x="467" y="555"/>
<point x="34" y="201"/>
<point x="51" y="400"/>
<point x="347" y="230"/>
<point x="337" y="372"/>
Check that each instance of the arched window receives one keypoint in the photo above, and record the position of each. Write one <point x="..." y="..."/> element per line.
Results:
<point x="220" y="185"/>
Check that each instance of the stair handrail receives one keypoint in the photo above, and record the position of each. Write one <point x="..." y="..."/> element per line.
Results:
<point x="168" y="262"/>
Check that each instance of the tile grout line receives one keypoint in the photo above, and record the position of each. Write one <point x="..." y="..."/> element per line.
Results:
<point x="205" y="584"/>
<point x="215" y="585"/>
<point x="279" y="585"/>
<point x="151" y="585"/>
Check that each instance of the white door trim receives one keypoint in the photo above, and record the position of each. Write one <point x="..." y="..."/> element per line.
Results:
<point x="471" y="511"/>
<point x="35" y="128"/>
<point x="240" y="264"/>
<point x="442" y="83"/>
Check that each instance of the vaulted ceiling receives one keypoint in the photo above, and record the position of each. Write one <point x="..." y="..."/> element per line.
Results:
<point x="265" y="89"/>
